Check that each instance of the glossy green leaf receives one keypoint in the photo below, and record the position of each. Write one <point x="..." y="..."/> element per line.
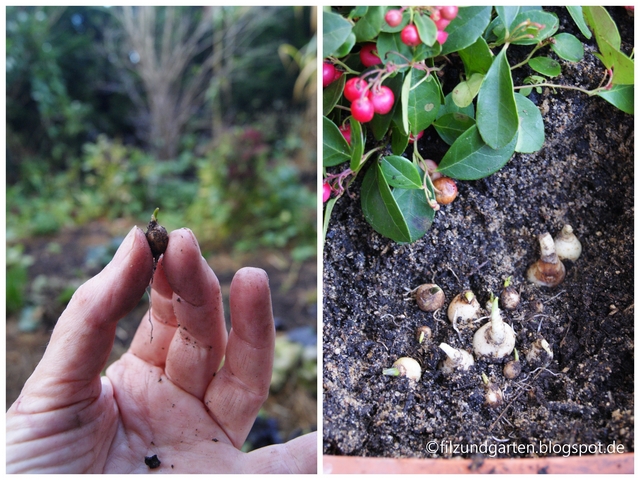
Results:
<point x="507" y="14"/>
<point x="335" y="149"/>
<point x="531" y="127"/>
<point x="380" y="208"/>
<point x="391" y="49"/>
<point x="470" y="158"/>
<point x="464" y="93"/>
<point x="423" y="102"/>
<point x="496" y="112"/>
<point x="426" y="28"/>
<point x="418" y="215"/>
<point x="621" y="96"/>
<point x="368" y="26"/>
<point x="335" y="31"/>
<point x="603" y="26"/>
<point x="451" y="125"/>
<point x="357" y="144"/>
<point x="399" y="139"/>
<point x="449" y="106"/>
<point x="578" y="18"/>
<point x="400" y="172"/>
<point x="332" y="94"/>
<point x="465" y="29"/>
<point x="549" y="20"/>
<point x="568" y="47"/>
<point x="623" y="68"/>
<point x="545" y="65"/>
<point x="346" y="47"/>
<point x="359" y="11"/>
<point x="476" y="57"/>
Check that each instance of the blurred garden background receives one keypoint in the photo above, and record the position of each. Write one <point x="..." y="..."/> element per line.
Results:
<point x="207" y="113"/>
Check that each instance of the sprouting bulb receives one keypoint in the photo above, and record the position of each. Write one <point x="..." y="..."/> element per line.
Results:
<point x="568" y="247"/>
<point x="548" y="271"/>
<point x="495" y="339"/>
<point x="457" y="359"/>
<point x="463" y="309"/>
<point x="404" y="367"/>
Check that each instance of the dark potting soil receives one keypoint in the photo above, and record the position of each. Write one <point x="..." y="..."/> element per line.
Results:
<point x="583" y="176"/>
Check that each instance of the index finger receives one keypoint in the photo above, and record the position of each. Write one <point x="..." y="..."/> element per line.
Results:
<point x="69" y="371"/>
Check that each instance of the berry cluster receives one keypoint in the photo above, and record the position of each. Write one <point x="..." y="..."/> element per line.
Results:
<point x="410" y="36"/>
<point x="367" y="100"/>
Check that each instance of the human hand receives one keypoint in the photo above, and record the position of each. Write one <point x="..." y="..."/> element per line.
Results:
<point x="166" y="396"/>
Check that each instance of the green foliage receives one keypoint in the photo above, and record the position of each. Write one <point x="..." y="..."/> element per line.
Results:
<point x="250" y="196"/>
<point x="17" y="265"/>
<point x="484" y="119"/>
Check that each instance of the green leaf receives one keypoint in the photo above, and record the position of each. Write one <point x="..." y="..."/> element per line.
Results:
<point x="497" y="115"/>
<point x="399" y="139"/>
<point x="357" y="144"/>
<point x="380" y="207"/>
<point x="568" y="47"/>
<point x="531" y="128"/>
<point x="465" y="29"/>
<point x="578" y="18"/>
<point x="328" y="208"/>
<point x="400" y="172"/>
<point x="549" y="20"/>
<point x="391" y="49"/>
<point x="426" y="28"/>
<point x="507" y="14"/>
<point x="332" y="94"/>
<point x="418" y="215"/>
<point x="620" y="96"/>
<point x="621" y="64"/>
<point x="451" y="125"/>
<point x="476" y="57"/>
<point x="335" y="31"/>
<point x="335" y="149"/>
<point x="464" y="93"/>
<point x="449" y="106"/>
<point x="603" y="26"/>
<point x="423" y="102"/>
<point x="470" y="158"/>
<point x="346" y="47"/>
<point x="545" y="65"/>
<point x="368" y="27"/>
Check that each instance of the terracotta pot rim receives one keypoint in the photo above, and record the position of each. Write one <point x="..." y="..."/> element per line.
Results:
<point x="611" y="463"/>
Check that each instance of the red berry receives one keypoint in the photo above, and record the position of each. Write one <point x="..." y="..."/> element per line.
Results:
<point x="410" y="36"/>
<point x="367" y="57"/>
<point x="337" y="75"/>
<point x="435" y="15"/>
<point x="346" y="132"/>
<point x="442" y="23"/>
<point x="355" y="88"/>
<point x="362" y="109"/>
<point x="449" y="12"/>
<point x="326" y="192"/>
<point x="446" y="190"/>
<point x="393" y="18"/>
<point x="382" y="100"/>
<point x="442" y="37"/>
<point x="416" y="138"/>
<point x="328" y="74"/>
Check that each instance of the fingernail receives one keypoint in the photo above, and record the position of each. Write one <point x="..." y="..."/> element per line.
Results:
<point x="126" y="246"/>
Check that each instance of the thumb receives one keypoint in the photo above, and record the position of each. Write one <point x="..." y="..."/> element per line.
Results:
<point x="69" y="371"/>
